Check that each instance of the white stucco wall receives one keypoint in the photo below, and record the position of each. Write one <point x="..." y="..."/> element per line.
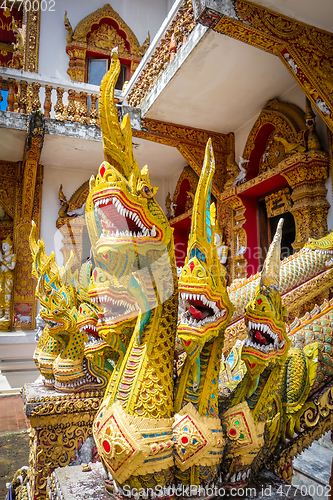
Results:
<point x="140" y="15"/>
<point x="71" y="181"/>
<point x="165" y="186"/>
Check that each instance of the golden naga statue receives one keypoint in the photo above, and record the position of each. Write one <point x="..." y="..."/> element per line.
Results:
<point x="7" y="265"/>
<point x="150" y="434"/>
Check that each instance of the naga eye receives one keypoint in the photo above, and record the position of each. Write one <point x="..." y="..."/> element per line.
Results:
<point x="146" y="192"/>
<point x="56" y="311"/>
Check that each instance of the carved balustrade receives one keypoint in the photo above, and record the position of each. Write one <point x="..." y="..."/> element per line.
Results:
<point x="22" y="92"/>
<point x="172" y="35"/>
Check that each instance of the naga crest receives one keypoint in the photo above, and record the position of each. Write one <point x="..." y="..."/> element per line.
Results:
<point x="57" y="300"/>
<point x="265" y="316"/>
<point x="201" y="285"/>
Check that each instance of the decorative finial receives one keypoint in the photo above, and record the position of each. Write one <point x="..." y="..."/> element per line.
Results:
<point x="270" y="274"/>
<point x="68" y="28"/>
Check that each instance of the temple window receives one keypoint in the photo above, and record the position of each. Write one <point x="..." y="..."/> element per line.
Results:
<point x="97" y="67"/>
<point x="89" y="46"/>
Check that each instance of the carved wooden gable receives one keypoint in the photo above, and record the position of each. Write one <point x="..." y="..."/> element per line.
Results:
<point x="96" y="35"/>
<point x="276" y="120"/>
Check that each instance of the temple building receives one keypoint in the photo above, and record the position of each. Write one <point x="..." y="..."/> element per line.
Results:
<point x="255" y="77"/>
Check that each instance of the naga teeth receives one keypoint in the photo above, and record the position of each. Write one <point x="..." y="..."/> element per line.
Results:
<point x="125" y="212"/>
<point x="262" y="327"/>
<point x="210" y="304"/>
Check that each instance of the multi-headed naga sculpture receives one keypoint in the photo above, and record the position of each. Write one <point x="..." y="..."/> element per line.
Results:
<point x="148" y="432"/>
<point x="281" y="399"/>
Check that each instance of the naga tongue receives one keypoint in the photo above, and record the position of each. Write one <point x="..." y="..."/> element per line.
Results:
<point x="260" y="338"/>
<point x="197" y="314"/>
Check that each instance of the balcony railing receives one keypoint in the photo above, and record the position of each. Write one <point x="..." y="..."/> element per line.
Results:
<point x="23" y="92"/>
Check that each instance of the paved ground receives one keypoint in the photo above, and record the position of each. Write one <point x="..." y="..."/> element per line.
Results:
<point x="12" y="417"/>
<point x="14" y="440"/>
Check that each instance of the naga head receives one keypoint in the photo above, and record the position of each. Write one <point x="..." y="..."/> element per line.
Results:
<point x="57" y="300"/>
<point x="117" y="308"/>
<point x="128" y="230"/>
<point x="201" y="284"/>
<point x="57" y="310"/>
<point x="123" y="219"/>
<point x="267" y="341"/>
<point x="88" y="314"/>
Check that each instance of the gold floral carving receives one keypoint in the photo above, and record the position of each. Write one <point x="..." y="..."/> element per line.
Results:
<point x="31" y="45"/>
<point x="24" y="287"/>
<point x="306" y="174"/>
<point x="14" y="195"/>
<point x="287" y="120"/>
<point x="306" y="438"/>
<point x="305" y="50"/>
<point x="8" y="176"/>
<point x="106" y="37"/>
<point x="53" y="441"/>
<point x="96" y="35"/>
<point x="191" y="143"/>
<point x="179" y="30"/>
<point x="27" y="207"/>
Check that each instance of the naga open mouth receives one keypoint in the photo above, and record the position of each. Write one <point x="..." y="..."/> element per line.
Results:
<point x="120" y="222"/>
<point x="89" y="327"/>
<point x="94" y="341"/>
<point x="114" y="307"/>
<point x="54" y="324"/>
<point x="200" y="311"/>
<point x="262" y="338"/>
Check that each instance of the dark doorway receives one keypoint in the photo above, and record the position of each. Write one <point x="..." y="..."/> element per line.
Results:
<point x="267" y="228"/>
<point x="288" y="232"/>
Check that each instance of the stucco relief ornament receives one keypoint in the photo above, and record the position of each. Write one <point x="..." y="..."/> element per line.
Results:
<point x="8" y="261"/>
<point x="241" y="177"/>
<point x="291" y="62"/>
